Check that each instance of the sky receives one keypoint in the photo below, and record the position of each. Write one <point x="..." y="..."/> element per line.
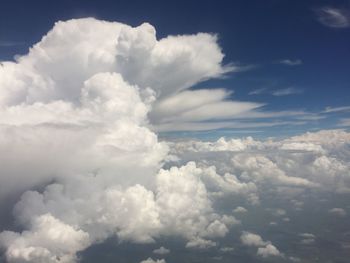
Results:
<point x="167" y="132"/>
<point x="289" y="56"/>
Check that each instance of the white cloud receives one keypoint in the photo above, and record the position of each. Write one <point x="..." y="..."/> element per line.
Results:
<point x="317" y="160"/>
<point x="279" y="212"/>
<point x="251" y="239"/>
<point x="269" y="250"/>
<point x="290" y="62"/>
<point x="227" y="249"/>
<point x="308" y="241"/>
<point x="200" y="243"/>
<point x="150" y="260"/>
<point x="240" y="209"/>
<point x="185" y="207"/>
<point x="336" y="109"/>
<point x="161" y="251"/>
<point x="307" y="235"/>
<point x="200" y="105"/>
<point x="49" y="240"/>
<point x="333" y="17"/>
<point x="345" y="122"/>
<point x="337" y="211"/>
<point x="215" y="125"/>
<point x="9" y="43"/>
<point x="74" y="113"/>
<point x="258" y="91"/>
<point x="279" y="92"/>
<point x="265" y="248"/>
<point x="286" y="91"/>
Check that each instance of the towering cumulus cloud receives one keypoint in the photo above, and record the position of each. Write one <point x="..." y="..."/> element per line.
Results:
<point x="78" y="163"/>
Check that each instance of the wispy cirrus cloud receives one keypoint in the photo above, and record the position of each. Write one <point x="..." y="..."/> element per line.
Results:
<point x="336" y="109"/>
<point x="286" y="91"/>
<point x="290" y="62"/>
<point x="9" y="43"/>
<point x="333" y="17"/>
<point x="258" y="91"/>
<point x="276" y="92"/>
<point x="344" y="122"/>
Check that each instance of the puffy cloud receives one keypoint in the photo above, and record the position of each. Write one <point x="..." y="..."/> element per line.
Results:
<point x="251" y="239"/>
<point x="307" y="235"/>
<point x="150" y="260"/>
<point x="279" y="212"/>
<point x="72" y="51"/>
<point x="240" y="209"/>
<point x="301" y="146"/>
<point x="307" y="241"/>
<point x="161" y="251"/>
<point x="180" y="207"/>
<point x="227" y="249"/>
<point x="49" y="240"/>
<point x="222" y="144"/>
<point x="261" y="169"/>
<point x="338" y="211"/>
<point x="265" y="248"/>
<point x="200" y="243"/>
<point x="317" y="160"/>
<point x="79" y="162"/>
<point x="185" y="207"/>
<point x="74" y="115"/>
<point x="269" y="250"/>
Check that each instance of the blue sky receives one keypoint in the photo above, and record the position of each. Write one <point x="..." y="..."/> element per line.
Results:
<point x="283" y="47"/>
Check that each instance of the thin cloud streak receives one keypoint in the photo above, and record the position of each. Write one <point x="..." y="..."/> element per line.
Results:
<point x="8" y="43"/>
<point x="286" y="91"/>
<point x="276" y="92"/>
<point x="333" y="17"/>
<point x="336" y="109"/>
<point x="290" y="62"/>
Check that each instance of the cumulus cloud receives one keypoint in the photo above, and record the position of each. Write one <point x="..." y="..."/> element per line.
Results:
<point x="251" y="239"/>
<point x="265" y="248"/>
<point x="150" y="260"/>
<point x="77" y="154"/>
<point x="307" y="235"/>
<point x="240" y="209"/>
<point x="49" y="240"/>
<point x="227" y="249"/>
<point x="161" y="251"/>
<point x="269" y="250"/>
<point x="317" y="160"/>
<point x="80" y="163"/>
<point x="337" y="211"/>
